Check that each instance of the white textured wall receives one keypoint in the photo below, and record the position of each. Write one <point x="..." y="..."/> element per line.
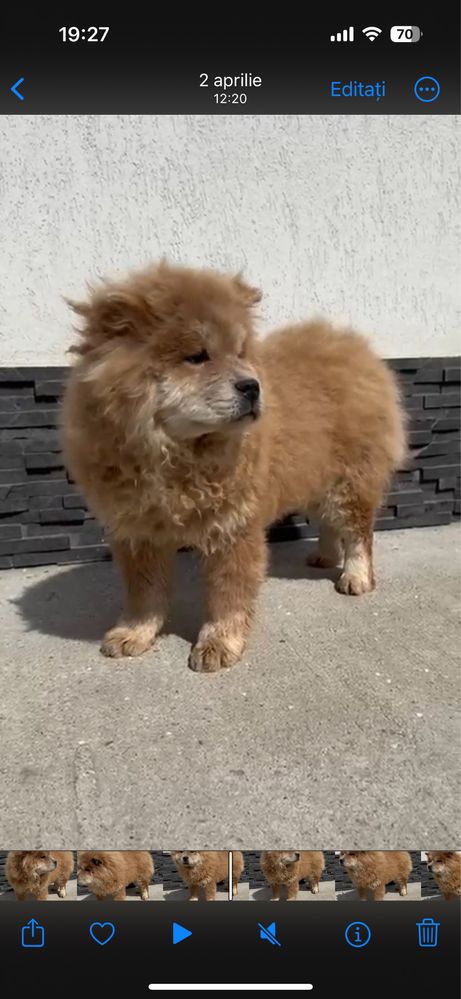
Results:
<point x="354" y="217"/>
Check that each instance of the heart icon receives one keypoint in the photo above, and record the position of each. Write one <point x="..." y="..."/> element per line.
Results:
<point x="102" y="932"/>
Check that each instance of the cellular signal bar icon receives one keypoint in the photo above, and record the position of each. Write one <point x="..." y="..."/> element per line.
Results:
<point x="346" y="35"/>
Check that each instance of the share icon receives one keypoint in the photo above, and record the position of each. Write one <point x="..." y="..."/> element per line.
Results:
<point x="269" y="933"/>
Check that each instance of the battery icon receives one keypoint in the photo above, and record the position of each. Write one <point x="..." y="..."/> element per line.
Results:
<point x="405" y="33"/>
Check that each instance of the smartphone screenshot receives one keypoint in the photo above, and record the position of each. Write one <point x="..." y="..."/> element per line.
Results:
<point x="229" y="500"/>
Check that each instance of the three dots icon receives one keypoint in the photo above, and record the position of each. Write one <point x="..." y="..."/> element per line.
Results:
<point x="427" y="89"/>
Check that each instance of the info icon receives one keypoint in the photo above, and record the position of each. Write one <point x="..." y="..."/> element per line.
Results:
<point x="357" y="934"/>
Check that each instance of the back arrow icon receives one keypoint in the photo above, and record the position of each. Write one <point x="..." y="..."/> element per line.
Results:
<point x="14" y="88"/>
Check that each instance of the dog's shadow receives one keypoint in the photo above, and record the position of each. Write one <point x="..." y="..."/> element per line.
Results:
<point x="262" y="894"/>
<point x="82" y="602"/>
<point x="182" y="894"/>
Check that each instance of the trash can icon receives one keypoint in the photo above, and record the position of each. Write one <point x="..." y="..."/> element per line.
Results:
<point x="428" y="933"/>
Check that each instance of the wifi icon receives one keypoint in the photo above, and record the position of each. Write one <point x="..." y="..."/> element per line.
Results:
<point x="371" y="33"/>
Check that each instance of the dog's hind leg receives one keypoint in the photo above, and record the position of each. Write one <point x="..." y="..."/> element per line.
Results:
<point x="350" y="511"/>
<point x="330" y="553"/>
<point x="357" y="576"/>
<point x="143" y="886"/>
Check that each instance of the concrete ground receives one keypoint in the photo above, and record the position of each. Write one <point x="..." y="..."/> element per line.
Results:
<point x="155" y="895"/>
<point x="326" y="893"/>
<point x="71" y="896"/>
<point x="338" y="729"/>
<point x="182" y="895"/>
<point x="413" y="894"/>
<point x="132" y="895"/>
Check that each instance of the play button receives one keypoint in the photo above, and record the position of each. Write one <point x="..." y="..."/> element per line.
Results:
<point x="180" y="933"/>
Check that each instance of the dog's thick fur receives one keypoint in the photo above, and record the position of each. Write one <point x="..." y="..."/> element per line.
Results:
<point x="32" y="873"/>
<point x="372" y="870"/>
<point x="171" y="453"/>
<point x="289" y="867"/>
<point x="446" y="868"/>
<point x="109" y="872"/>
<point x="204" y="869"/>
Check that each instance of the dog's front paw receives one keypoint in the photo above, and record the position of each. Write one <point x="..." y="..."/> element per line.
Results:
<point x="212" y="655"/>
<point x="354" y="583"/>
<point x="315" y="889"/>
<point x="125" y="641"/>
<point x="61" y="891"/>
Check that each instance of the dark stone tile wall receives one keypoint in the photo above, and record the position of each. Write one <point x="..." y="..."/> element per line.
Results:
<point x="44" y="519"/>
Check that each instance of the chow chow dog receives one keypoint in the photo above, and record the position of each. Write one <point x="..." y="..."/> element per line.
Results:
<point x="205" y="869"/>
<point x="372" y="870"/>
<point x="35" y="872"/>
<point x="446" y="868"/>
<point x="289" y="867"/>
<point x="109" y="872"/>
<point x="183" y="430"/>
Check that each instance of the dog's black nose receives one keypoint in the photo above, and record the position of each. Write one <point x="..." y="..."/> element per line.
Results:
<point x="249" y="387"/>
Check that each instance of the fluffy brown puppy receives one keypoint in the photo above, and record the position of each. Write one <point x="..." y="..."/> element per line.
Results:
<point x="184" y="430"/>
<point x="372" y="870"/>
<point x="205" y="869"/>
<point x="34" y="872"/>
<point x="446" y="868"/>
<point x="109" y="872"/>
<point x="289" y="867"/>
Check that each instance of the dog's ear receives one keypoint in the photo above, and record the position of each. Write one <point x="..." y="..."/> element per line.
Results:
<point x="111" y="310"/>
<point x="109" y="313"/>
<point x="248" y="295"/>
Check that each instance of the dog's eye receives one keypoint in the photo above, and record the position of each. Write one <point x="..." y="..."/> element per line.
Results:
<point x="96" y="862"/>
<point x="198" y="358"/>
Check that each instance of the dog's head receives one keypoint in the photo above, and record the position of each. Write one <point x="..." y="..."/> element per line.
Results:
<point x="352" y="858"/>
<point x="95" y="870"/>
<point x="35" y="863"/>
<point x="188" y="858"/>
<point x="284" y="858"/>
<point x="178" y="346"/>
<point x="438" y="861"/>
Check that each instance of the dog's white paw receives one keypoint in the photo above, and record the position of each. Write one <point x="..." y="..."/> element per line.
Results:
<point x="212" y="655"/>
<point x="125" y="641"/>
<point x="354" y="583"/>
